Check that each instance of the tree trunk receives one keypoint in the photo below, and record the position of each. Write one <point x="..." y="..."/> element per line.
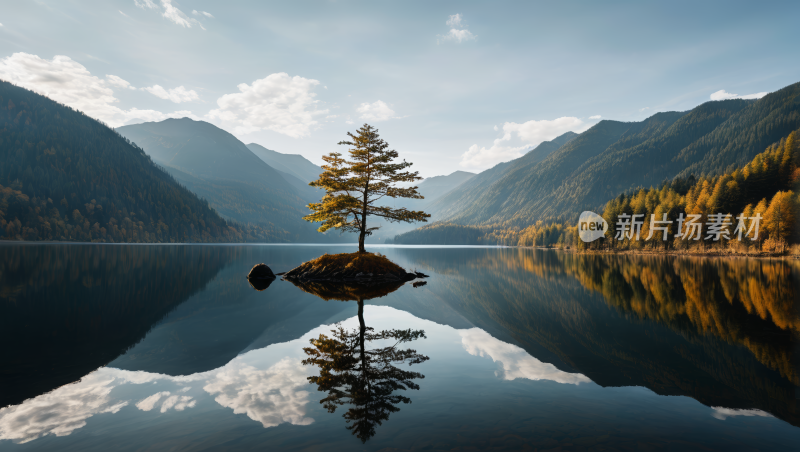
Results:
<point x="361" y="241"/>
<point x="362" y="329"/>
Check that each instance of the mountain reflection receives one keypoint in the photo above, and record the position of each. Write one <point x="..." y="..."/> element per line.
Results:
<point x="352" y="374"/>
<point x="69" y="309"/>
<point x="736" y="322"/>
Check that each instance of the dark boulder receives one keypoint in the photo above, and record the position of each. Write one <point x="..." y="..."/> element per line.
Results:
<point x="261" y="271"/>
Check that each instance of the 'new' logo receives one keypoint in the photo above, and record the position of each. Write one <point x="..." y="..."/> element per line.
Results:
<point x="591" y="226"/>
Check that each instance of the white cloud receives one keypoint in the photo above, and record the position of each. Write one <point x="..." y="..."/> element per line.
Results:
<point x="197" y="13"/>
<point x="481" y="157"/>
<point x="61" y="79"/>
<point x="272" y="396"/>
<point x="118" y="82"/>
<point x="70" y="83"/>
<point x="458" y="32"/>
<point x="722" y="413"/>
<point x="724" y="95"/>
<point x="277" y="102"/>
<point x="515" y="362"/>
<point x="175" y="15"/>
<point x="595" y="117"/>
<point x="177" y="95"/>
<point x="376" y="111"/>
<point x="454" y="21"/>
<point x="524" y="136"/>
<point x="172" y="13"/>
<point x="145" y="4"/>
<point x="117" y="10"/>
<point x="644" y="109"/>
<point x="458" y="35"/>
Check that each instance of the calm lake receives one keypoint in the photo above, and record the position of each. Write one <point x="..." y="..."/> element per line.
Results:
<point x="156" y="347"/>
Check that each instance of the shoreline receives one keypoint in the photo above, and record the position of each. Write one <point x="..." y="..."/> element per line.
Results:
<point x="690" y="253"/>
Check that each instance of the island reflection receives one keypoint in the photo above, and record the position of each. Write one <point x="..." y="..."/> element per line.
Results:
<point x="353" y="374"/>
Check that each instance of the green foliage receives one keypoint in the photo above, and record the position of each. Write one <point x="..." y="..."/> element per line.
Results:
<point x="354" y="187"/>
<point x="66" y="176"/>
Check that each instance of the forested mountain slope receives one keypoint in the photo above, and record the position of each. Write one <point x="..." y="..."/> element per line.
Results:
<point x="468" y="192"/>
<point x="432" y="189"/>
<point x="217" y="166"/>
<point x="204" y="150"/>
<point x="613" y="156"/>
<point x="736" y="141"/>
<point x="66" y="176"/>
<point x="293" y="164"/>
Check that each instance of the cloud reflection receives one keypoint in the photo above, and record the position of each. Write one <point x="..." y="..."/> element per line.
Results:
<point x="179" y="403"/>
<point x="272" y="396"/>
<point x="723" y="413"/>
<point x="515" y="362"/>
<point x="62" y="411"/>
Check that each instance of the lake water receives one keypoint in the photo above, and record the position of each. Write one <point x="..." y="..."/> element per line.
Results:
<point x="154" y="347"/>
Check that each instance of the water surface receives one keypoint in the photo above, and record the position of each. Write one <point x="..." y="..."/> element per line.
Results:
<point x="111" y="347"/>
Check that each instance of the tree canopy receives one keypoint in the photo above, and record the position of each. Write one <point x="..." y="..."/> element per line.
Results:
<point x="355" y="187"/>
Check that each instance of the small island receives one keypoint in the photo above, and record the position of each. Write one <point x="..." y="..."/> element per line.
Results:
<point x="359" y="268"/>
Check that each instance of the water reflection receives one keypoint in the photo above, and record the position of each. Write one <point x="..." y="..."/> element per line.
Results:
<point x="269" y="394"/>
<point x="69" y="309"/>
<point x="515" y="362"/>
<point x="723" y="331"/>
<point x="260" y="284"/>
<point x="352" y="374"/>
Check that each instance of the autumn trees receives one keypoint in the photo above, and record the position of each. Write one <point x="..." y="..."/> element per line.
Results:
<point x="355" y="187"/>
<point x="767" y="188"/>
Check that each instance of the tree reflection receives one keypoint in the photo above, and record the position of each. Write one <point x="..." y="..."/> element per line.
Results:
<point x="353" y="374"/>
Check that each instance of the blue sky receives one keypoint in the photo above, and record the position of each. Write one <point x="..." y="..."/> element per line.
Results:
<point x="451" y="85"/>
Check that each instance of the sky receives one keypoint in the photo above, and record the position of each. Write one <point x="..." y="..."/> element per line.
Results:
<point x="450" y="85"/>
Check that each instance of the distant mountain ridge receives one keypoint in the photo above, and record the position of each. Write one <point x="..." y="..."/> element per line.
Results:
<point x="236" y="182"/>
<point x="612" y="157"/>
<point x="293" y="164"/>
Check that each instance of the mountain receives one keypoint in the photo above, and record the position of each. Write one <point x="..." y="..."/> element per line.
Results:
<point x="293" y="164"/>
<point x="432" y="189"/>
<point x="238" y="184"/>
<point x="66" y="176"/>
<point x="614" y="156"/>
<point x="467" y="194"/>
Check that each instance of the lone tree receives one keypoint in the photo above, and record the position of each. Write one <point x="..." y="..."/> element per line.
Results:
<point x="354" y="187"/>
